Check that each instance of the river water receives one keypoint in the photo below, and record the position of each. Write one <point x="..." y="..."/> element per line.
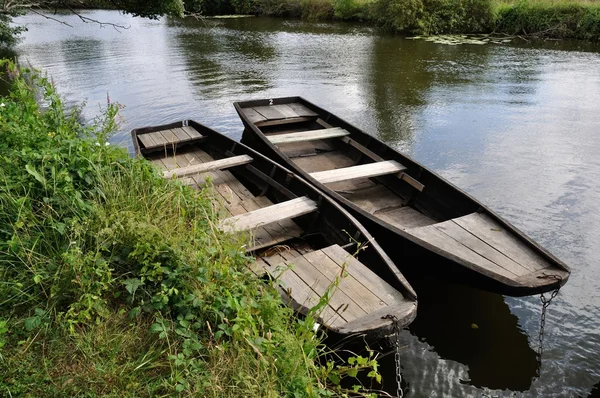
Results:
<point x="517" y="126"/>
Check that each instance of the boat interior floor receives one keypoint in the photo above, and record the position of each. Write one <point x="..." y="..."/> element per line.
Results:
<point x="304" y="274"/>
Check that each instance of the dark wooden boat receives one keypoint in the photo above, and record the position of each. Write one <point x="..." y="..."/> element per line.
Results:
<point x="297" y="235"/>
<point x="410" y="210"/>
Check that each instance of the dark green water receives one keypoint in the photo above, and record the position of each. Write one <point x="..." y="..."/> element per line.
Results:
<point x="517" y="126"/>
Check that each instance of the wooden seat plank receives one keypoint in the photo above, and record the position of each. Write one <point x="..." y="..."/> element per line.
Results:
<point x="456" y="250"/>
<point x="285" y="110"/>
<point x="361" y="171"/>
<point x="481" y="247"/>
<point x="302" y="110"/>
<point x="368" y="278"/>
<point x="404" y="217"/>
<point x="208" y="166"/>
<point x="280" y="211"/>
<point x="310" y="135"/>
<point x="502" y="240"/>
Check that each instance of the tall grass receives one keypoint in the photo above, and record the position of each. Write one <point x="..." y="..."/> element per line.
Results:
<point x="115" y="282"/>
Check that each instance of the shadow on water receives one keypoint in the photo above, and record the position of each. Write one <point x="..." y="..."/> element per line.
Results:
<point x="475" y="328"/>
<point x="595" y="393"/>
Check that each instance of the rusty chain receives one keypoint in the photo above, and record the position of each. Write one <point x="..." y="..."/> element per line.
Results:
<point x="545" y="304"/>
<point x="399" y="391"/>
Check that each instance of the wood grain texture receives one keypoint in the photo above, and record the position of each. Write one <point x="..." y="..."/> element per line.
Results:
<point x="220" y="164"/>
<point x="362" y="171"/>
<point x="280" y="211"/>
<point x="404" y="217"/>
<point x="309" y="135"/>
<point x="503" y="240"/>
<point x="301" y="110"/>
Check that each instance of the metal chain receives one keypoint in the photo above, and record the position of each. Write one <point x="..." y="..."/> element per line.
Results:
<point x="399" y="391"/>
<point x="545" y="303"/>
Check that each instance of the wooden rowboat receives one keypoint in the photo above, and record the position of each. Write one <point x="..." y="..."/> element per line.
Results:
<point x="410" y="210"/>
<point x="298" y="235"/>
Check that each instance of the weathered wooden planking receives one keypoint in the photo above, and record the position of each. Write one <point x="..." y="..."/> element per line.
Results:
<point x="379" y="318"/>
<point x="158" y="138"/>
<point x="253" y="116"/>
<point x="471" y="241"/>
<point x="147" y="140"/>
<point x="303" y="296"/>
<point x="280" y="211"/>
<point x="323" y="161"/>
<point x="373" y="198"/>
<point x="368" y="278"/>
<point x="488" y="230"/>
<point x="302" y="110"/>
<point x="220" y="164"/>
<point x="181" y="134"/>
<point x="338" y="298"/>
<point x="362" y="171"/>
<point x="440" y="241"/>
<point x="285" y="110"/>
<point x="270" y="112"/>
<point x="358" y="293"/>
<point x="309" y="135"/>
<point x="192" y="132"/>
<point x="169" y="136"/>
<point x="404" y="217"/>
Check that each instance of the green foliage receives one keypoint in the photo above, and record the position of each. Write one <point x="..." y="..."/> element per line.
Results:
<point x="348" y="9"/>
<point x="434" y="16"/>
<point x="115" y="280"/>
<point x="564" y="19"/>
<point x="317" y="9"/>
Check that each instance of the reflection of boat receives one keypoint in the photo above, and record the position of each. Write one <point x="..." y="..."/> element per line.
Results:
<point x="479" y="331"/>
<point x="595" y="393"/>
<point x="300" y="236"/>
<point x="408" y="208"/>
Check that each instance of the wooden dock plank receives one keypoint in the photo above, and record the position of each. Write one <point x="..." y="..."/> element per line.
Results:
<point x="358" y="293"/>
<point x="302" y="110"/>
<point x="480" y="247"/>
<point x="208" y="166"/>
<point x="368" y="278"/>
<point x="502" y="240"/>
<point x="456" y="250"/>
<point x="361" y="171"/>
<point x="288" y="209"/>
<point x="404" y="217"/>
<point x="310" y="135"/>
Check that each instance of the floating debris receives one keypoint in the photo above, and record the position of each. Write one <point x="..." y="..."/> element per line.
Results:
<point x="455" y="40"/>
<point x="228" y="16"/>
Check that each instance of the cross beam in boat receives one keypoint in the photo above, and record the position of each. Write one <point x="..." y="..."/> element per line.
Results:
<point x="311" y="135"/>
<point x="361" y="171"/>
<point x="270" y="214"/>
<point x="220" y="164"/>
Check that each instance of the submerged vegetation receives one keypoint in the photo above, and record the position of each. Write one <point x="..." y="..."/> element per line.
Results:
<point x="115" y="281"/>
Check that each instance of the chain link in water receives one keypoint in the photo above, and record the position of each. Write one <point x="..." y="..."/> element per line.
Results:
<point x="396" y="337"/>
<point x="545" y="303"/>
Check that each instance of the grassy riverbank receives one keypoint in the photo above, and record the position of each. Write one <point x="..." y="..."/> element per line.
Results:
<point x="114" y="282"/>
